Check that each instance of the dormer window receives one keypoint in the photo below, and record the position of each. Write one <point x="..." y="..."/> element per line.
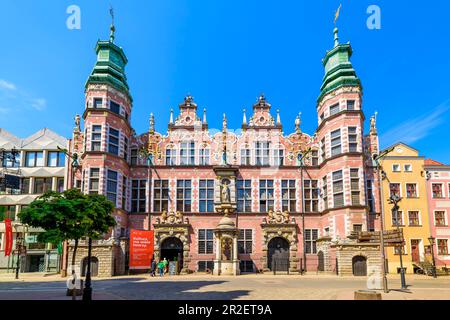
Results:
<point x="262" y="153"/>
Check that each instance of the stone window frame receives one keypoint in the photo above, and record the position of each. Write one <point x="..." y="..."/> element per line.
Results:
<point x="206" y="240"/>
<point x="312" y="198"/>
<point x="98" y="137"/>
<point x="92" y="178"/>
<point x="416" y="189"/>
<point x="262" y="153"/>
<point x="268" y="200"/>
<point x="338" y="192"/>
<point x="445" y="224"/>
<point x="402" y="219"/>
<point x="171" y="156"/>
<point x="355" y="190"/>
<point x="109" y="182"/>
<point x="399" y="188"/>
<point x="246" y="241"/>
<point x="138" y="200"/>
<point x="246" y="186"/>
<point x="334" y="109"/>
<point x="209" y="198"/>
<point x="189" y="147"/>
<point x="245" y="156"/>
<point x="113" y="144"/>
<point x="441" y="190"/>
<point x="310" y="240"/>
<point x="159" y="183"/>
<point x="185" y="200"/>
<point x="419" y="218"/>
<point x="336" y="139"/>
<point x="439" y="252"/>
<point x="278" y="156"/>
<point x="204" y="156"/>
<point x="352" y="135"/>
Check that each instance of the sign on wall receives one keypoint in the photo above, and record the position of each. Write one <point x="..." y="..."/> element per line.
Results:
<point x="141" y="249"/>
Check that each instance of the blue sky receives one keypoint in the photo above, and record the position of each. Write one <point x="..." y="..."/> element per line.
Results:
<point x="225" y="53"/>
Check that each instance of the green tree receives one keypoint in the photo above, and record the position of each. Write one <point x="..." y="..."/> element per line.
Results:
<point x="61" y="216"/>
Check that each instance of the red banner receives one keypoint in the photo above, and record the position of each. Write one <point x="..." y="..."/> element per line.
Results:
<point x="8" y="237"/>
<point x="141" y="249"/>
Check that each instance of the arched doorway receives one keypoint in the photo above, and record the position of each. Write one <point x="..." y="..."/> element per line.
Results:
<point x="278" y="254"/>
<point x="94" y="266"/>
<point x="172" y="250"/>
<point x="359" y="264"/>
<point x="321" y="261"/>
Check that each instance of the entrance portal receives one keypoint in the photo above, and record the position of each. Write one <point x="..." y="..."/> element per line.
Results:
<point x="278" y="254"/>
<point x="321" y="261"/>
<point x="172" y="250"/>
<point x="359" y="266"/>
<point x="94" y="266"/>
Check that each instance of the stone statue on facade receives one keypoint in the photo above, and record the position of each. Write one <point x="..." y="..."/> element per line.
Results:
<point x="77" y="123"/>
<point x="373" y="123"/>
<point x="225" y="194"/>
<point x="171" y="218"/>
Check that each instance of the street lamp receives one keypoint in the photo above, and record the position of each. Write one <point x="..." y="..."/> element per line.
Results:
<point x="394" y="199"/>
<point x="87" y="291"/>
<point x="433" y="270"/>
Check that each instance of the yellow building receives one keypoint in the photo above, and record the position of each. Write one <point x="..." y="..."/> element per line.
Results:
<point x="405" y="177"/>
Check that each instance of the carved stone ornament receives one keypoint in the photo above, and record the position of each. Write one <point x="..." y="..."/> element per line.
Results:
<point x="171" y="218"/>
<point x="278" y="217"/>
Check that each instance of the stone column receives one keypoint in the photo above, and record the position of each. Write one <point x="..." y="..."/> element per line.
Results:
<point x="236" y="270"/>
<point x="217" y="265"/>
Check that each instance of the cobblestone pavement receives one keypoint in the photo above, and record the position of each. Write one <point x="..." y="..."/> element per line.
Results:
<point x="206" y="287"/>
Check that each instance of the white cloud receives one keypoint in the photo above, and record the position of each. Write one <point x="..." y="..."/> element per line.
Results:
<point x="38" y="104"/>
<point x="7" y="85"/>
<point x="415" y="129"/>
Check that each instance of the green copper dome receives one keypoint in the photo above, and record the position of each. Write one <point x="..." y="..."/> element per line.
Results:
<point x="110" y="66"/>
<point x="339" y="71"/>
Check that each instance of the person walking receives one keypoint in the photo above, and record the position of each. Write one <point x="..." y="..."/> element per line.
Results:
<point x="153" y="267"/>
<point x="165" y="265"/>
<point x="161" y="268"/>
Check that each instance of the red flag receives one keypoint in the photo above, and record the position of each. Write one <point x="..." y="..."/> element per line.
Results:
<point x="8" y="237"/>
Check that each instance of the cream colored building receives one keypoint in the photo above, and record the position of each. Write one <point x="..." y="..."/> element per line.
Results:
<point x="39" y="167"/>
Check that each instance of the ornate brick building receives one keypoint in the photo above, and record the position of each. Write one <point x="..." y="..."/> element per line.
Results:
<point x="232" y="200"/>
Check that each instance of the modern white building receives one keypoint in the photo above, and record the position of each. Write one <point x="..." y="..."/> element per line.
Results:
<point x="39" y="167"/>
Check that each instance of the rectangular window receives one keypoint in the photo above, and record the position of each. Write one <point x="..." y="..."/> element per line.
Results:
<point x="266" y="198"/>
<point x="134" y="157"/>
<point x="98" y="102"/>
<point x="10" y="161"/>
<point x="439" y="219"/>
<point x="437" y="190"/>
<point x="160" y="195"/>
<point x="138" y="195"/>
<point x="204" y="157"/>
<point x="394" y="189"/>
<point x="246" y="266"/>
<point x="370" y="196"/>
<point x="352" y="139"/>
<point x="206" y="196"/>
<point x="205" y="241"/>
<point x="351" y="105"/>
<point x="245" y="157"/>
<point x="113" y="142"/>
<point x="60" y="185"/>
<point x="413" y="218"/>
<point x="244" y="195"/>
<point x="322" y="149"/>
<point x="184" y="194"/>
<point x="9" y="212"/>
<point x="96" y="138"/>
<point x="34" y="159"/>
<point x="171" y="157"/>
<point x="55" y="159"/>
<point x="94" y="178"/>
<point x="245" y="241"/>
<point x="203" y="266"/>
<point x="311" y="235"/>
<point x="314" y="158"/>
<point x="42" y="185"/>
<point x="397" y="219"/>
<point x="114" y="107"/>
<point x="442" y="245"/>
<point x="354" y="187"/>
<point x="395" y="168"/>
<point x="325" y="192"/>
<point x="334" y="109"/>
<point x="125" y="148"/>
<point x="25" y="185"/>
<point x="278" y="157"/>
<point x="187" y="153"/>
<point x="262" y="153"/>
<point x="411" y="190"/>
<point x="311" y="193"/>
<point x="338" y="189"/>
<point x="336" y="142"/>
<point x="111" y="186"/>
<point x="288" y="195"/>
<point x="357" y="228"/>
<point x="408" y="168"/>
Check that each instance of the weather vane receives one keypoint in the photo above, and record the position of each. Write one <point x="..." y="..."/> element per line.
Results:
<point x="113" y="28"/>
<point x="336" y="16"/>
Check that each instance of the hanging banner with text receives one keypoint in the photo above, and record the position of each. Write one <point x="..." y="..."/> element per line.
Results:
<point x="8" y="237"/>
<point x="141" y="249"/>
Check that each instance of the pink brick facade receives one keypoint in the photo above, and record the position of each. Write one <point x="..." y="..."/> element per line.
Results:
<point x="338" y="195"/>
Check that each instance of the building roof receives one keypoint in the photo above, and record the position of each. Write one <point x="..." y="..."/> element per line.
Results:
<point x="431" y="162"/>
<point x="42" y="139"/>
